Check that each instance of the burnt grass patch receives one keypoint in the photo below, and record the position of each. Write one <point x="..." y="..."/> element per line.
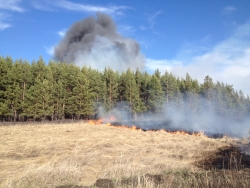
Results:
<point x="134" y="181"/>
<point x="227" y="158"/>
<point x="164" y="125"/>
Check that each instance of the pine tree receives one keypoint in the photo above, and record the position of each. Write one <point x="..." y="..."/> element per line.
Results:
<point x="144" y="90"/>
<point x="121" y="87"/>
<point x="40" y="98"/>
<point x="25" y="83"/>
<point x="38" y="103"/>
<point x="131" y="93"/>
<point x="13" y="90"/>
<point x="155" y="98"/>
<point x="218" y="99"/>
<point x="169" y="87"/>
<point x="208" y="92"/>
<point x="5" y="66"/>
<point x="60" y="73"/>
<point x="141" y="85"/>
<point x="63" y="90"/>
<point x="186" y="88"/>
<point x="83" y="97"/>
<point x="94" y="80"/>
<point x="110" y="81"/>
<point x="243" y="104"/>
<point x="72" y="74"/>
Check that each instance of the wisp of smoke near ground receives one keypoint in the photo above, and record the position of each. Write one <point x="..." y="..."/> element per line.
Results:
<point x="173" y="118"/>
<point x="95" y="42"/>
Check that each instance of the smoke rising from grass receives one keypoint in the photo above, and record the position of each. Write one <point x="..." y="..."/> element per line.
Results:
<point x="173" y="118"/>
<point x="205" y="120"/>
<point x="95" y="42"/>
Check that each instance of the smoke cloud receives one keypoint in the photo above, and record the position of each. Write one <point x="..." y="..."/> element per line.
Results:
<point x="95" y="42"/>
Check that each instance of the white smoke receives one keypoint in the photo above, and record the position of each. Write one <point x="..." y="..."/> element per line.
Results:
<point x="174" y="118"/>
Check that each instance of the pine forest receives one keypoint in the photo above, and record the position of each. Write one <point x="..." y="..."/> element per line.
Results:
<point x="40" y="91"/>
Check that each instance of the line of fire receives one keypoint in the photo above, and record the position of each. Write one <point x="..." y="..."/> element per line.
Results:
<point x="162" y="126"/>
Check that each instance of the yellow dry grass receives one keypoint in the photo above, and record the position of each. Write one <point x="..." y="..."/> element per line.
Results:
<point x="82" y="153"/>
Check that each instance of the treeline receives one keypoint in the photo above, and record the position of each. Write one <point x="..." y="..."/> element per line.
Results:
<point x="56" y="91"/>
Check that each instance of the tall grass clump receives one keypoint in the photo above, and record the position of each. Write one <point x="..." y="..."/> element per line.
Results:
<point x="46" y="176"/>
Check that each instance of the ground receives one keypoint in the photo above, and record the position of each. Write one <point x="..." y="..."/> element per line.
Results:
<point x="54" y="154"/>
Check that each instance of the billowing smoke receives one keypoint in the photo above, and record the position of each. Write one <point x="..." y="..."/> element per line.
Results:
<point x="95" y="42"/>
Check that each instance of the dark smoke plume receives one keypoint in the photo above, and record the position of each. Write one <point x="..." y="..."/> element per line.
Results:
<point x="95" y="42"/>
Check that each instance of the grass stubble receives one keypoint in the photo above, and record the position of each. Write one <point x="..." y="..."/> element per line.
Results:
<point x="54" y="155"/>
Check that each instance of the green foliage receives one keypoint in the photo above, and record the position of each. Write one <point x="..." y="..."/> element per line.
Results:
<point x="110" y="88"/>
<point x="155" y="94"/>
<point x="58" y="90"/>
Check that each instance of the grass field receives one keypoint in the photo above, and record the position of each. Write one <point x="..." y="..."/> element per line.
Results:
<point x="77" y="153"/>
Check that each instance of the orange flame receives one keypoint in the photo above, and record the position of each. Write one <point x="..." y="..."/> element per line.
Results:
<point x="179" y="132"/>
<point x="133" y="127"/>
<point x="108" y="124"/>
<point x="95" y="122"/>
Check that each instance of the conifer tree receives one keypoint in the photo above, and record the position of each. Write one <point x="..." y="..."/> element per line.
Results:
<point x="5" y="66"/>
<point x="131" y="93"/>
<point x="218" y="99"/>
<point x="72" y="74"/>
<point x="110" y="81"/>
<point x="169" y="87"/>
<point x="208" y="92"/>
<point x="25" y="83"/>
<point x="83" y="97"/>
<point x="121" y="87"/>
<point x="144" y="89"/>
<point x="13" y="90"/>
<point x="94" y="80"/>
<point x="141" y="85"/>
<point x="155" y="98"/>
<point x="39" y="99"/>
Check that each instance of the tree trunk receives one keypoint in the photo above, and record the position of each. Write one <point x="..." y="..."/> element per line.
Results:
<point x="14" y="115"/>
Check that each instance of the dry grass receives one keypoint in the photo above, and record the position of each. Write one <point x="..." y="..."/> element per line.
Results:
<point x="50" y="155"/>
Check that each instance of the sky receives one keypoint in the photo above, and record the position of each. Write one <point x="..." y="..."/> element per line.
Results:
<point x="205" y="37"/>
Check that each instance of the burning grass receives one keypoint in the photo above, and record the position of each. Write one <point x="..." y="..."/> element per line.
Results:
<point x="133" y="127"/>
<point x="51" y="155"/>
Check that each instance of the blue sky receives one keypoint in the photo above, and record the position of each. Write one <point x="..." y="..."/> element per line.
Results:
<point x="199" y="37"/>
